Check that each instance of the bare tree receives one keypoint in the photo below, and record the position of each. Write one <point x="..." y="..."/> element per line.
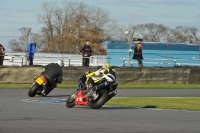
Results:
<point x="193" y="34"/>
<point x="19" y="45"/>
<point x="67" y="27"/>
<point x="47" y="19"/>
<point x="151" y="32"/>
<point x="184" y="34"/>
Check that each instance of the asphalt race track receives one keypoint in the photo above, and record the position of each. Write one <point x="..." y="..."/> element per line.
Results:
<point x="22" y="114"/>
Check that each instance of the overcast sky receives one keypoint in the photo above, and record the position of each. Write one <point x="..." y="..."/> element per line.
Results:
<point x="15" y="14"/>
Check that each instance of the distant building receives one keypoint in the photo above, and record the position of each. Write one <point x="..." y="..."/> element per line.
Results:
<point x="154" y="54"/>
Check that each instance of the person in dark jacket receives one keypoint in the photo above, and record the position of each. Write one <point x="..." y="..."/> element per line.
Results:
<point x="2" y="54"/>
<point x="138" y="54"/>
<point x="86" y="52"/>
<point x="53" y="72"/>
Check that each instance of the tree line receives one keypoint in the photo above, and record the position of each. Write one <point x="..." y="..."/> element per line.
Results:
<point x="67" y="25"/>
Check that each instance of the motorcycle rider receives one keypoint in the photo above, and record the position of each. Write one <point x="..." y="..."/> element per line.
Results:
<point x="95" y="78"/>
<point x="53" y="72"/>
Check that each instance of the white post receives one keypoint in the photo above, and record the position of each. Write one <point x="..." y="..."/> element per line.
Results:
<point x="130" y="44"/>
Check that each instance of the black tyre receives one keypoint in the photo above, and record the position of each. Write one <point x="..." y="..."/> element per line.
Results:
<point x="100" y="101"/>
<point x="33" y="90"/>
<point x="70" y="103"/>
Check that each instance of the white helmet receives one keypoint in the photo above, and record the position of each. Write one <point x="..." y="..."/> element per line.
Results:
<point x="60" y="63"/>
<point x="106" y="65"/>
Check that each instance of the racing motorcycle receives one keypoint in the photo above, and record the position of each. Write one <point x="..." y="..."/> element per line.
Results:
<point x="105" y="90"/>
<point x="39" y="86"/>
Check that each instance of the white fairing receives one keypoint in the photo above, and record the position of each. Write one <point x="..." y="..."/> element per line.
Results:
<point x="109" y="77"/>
<point x="98" y="72"/>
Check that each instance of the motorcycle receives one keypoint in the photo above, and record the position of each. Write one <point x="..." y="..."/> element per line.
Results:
<point x="105" y="90"/>
<point x="39" y="86"/>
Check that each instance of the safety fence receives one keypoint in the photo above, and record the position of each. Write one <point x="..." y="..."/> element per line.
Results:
<point x="118" y="57"/>
<point x="20" y="59"/>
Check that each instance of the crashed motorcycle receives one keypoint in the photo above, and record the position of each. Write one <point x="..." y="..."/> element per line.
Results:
<point x="105" y="90"/>
<point x="39" y="86"/>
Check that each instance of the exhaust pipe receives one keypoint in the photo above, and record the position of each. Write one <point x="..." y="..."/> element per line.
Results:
<point x="112" y="94"/>
<point x="101" y="86"/>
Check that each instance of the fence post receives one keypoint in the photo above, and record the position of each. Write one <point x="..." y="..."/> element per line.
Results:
<point x="22" y="60"/>
<point x="26" y="57"/>
<point x="124" y="62"/>
<point x="97" y="60"/>
<point x="174" y="62"/>
<point x="69" y="61"/>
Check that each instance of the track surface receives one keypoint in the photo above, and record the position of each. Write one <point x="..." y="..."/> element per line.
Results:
<point x="22" y="114"/>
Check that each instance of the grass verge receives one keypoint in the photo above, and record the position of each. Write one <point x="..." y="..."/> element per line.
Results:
<point x="191" y="104"/>
<point x="120" y="86"/>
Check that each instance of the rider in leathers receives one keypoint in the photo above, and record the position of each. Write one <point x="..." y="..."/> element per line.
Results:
<point x="53" y="72"/>
<point x="95" y="78"/>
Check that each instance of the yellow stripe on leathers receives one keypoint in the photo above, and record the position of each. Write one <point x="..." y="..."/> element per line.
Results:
<point x="94" y="76"/>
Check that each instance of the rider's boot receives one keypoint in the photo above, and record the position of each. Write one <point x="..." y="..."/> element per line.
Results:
<point x="47" y="90"/>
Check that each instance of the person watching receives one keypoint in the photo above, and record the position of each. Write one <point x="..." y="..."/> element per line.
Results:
<point x="86" y="51"/>
<point x="2" y="54"/>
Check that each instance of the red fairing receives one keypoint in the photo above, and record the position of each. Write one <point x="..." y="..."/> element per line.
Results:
<point x="44" y="78"/>
<point x="80" y="99"/>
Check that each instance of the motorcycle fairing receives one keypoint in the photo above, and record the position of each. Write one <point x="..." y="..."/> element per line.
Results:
<point x="80" y="99"/>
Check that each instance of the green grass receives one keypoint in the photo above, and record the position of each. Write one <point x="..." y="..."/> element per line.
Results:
<point x="158" y="103"/>
<point x="159" y="86"/>
<point x="120" y="86"/>
<point x="27" y="86"/>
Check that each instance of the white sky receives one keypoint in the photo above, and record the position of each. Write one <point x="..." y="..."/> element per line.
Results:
<point x="15" y="14"/>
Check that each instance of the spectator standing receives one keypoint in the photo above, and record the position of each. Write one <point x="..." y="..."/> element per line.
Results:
<point x="138" y="54"/>
<point x="86" y="52"/>
<point x="2" y="54"/>
<point x="31" y="52"/>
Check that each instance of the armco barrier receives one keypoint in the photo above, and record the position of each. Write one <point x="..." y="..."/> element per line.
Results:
<point x="172" y="75"/>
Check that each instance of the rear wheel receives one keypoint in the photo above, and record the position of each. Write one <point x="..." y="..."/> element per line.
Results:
<point x="100" y="100"/>
<point x="70" y="103"/>
<point x="33" y="90"/>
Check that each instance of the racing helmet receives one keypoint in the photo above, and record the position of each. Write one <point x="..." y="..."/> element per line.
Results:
<point x="60" y="63"/>
<point x="106" y="65"/>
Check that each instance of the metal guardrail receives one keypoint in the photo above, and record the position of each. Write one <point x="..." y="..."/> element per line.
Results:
<point x="18" y="59"/>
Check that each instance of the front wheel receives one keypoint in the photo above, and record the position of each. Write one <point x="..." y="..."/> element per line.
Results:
<point x="33" y="90"/>
<point x="100" y="101"/>
<point x="70" y="103"/>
